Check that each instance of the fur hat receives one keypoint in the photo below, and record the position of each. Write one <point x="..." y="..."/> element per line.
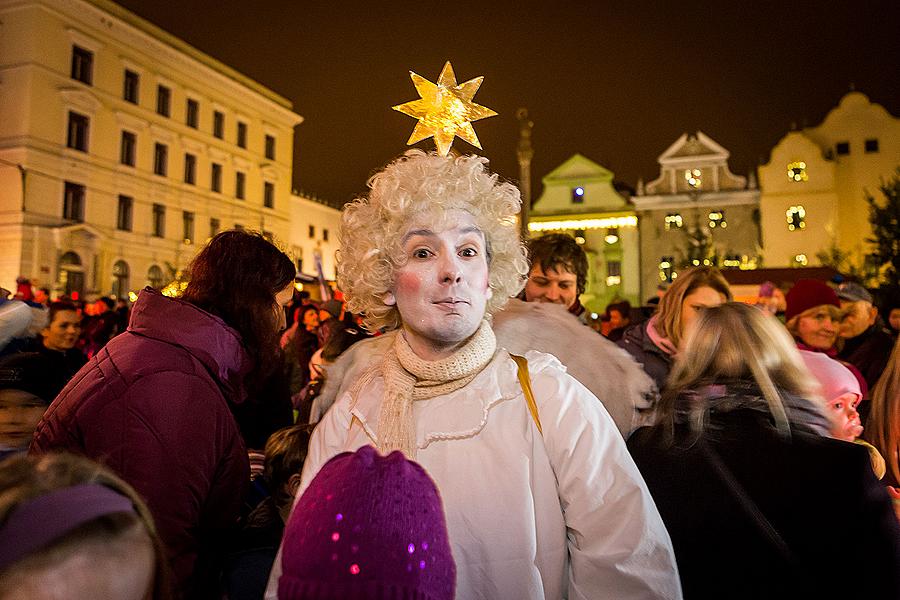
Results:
<point x="368" y="527"/>
<point x="807" y="294"/>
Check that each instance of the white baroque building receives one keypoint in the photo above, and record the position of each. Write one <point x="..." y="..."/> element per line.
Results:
<point x="815" y="184"/>
<point x="123" y="149"/>
<point x="314" y="233"/>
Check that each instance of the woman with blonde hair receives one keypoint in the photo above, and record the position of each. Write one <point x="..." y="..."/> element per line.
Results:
<point x="70" y="529"/>
<point x="655" y="343"/>
<point x="541" y="497"/>
<point x="883" y="426"/>
<point x="758" y="502"/>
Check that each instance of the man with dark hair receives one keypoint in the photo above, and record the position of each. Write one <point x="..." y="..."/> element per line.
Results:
<point x="558" y="272"/>
<point x="57" y="344"/>
<point x="619" y="319"/>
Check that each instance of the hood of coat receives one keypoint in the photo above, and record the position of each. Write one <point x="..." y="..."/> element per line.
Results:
<point x="207" y="337"/>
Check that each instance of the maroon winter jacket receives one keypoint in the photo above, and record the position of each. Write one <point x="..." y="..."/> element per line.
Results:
<point x="153" y="406"/>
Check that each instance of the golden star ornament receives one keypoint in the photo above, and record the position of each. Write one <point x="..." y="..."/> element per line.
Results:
<point x="445" y="110"/>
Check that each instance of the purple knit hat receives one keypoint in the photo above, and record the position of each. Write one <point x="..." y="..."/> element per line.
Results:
<point x="368" y="527"/>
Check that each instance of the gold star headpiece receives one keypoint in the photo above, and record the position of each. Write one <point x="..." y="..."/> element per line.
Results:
<point x="445" y="110"/>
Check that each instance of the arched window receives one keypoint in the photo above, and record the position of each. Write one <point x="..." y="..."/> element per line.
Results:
<point x="71" y="275"/>
<point x="120" y="279"/>
<point x="155" y="277"/>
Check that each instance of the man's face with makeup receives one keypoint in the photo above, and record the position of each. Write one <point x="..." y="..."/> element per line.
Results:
<point x="442" y="290"/>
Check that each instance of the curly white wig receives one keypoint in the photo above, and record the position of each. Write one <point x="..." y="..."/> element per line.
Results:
<point x="372" y="228"/>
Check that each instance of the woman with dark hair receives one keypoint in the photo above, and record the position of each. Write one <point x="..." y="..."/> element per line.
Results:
<point x="157" y="403"/>
<point x="759" y="503"/>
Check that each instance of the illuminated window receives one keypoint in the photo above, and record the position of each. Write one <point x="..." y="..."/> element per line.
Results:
<point x="796" y="218"/>
<point x="674" y="221"/>
<point x="732" y="261"/>
<point x="613" y="273"/>
<point x="578" y="195"/>
<point x="693" y="178"/>
<point x="717" y="219"/>
<point x="612" y="236"/>
<point x="796" y="171"/>
<point x="580" y="238"/>
<point x="801" y="260"/>
<point x="667" y="269"/>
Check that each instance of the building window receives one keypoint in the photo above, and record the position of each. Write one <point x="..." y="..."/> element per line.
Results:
<point x="127" y="151"/>
<point x="842" y="148"/>
<point x="674" y="221"/>
<point x="578" y="195"/>
<point x="694" y="178"/>
<point x="238" y="227"/>
<point x="732" y="261"/>
<point x="163" y="100"/>
<point x="241" y="135"/>
<point x="187" y="220"/>
<point x="124" y="218"/>
<point x="324" y="235"/>
<point x="160" y="159"/>
<point x="800" y="260"/>
<point x="120" y="279"/>
<point x="131" y="87"/>
<point x="240" y="184"/>
<point x="270" y="147"/>
<point x="78" y="132"/>
<point x="155" y="276"/>
<point x="215" y="183"/>
<point x="159" y="220"/>
<point x="190" y="169"/>
<point x="667" y="269"/>
<point x="218" y="124"/>
<point x="611" y="237"/>
<point x="796" y="171"/>
<point x="73" y="202"/>
<point x="871" y="146"/>
<point x="717" y="219"/>
<point x="192" y="113"/>
<point x="796" y="218"/>
<point x="269" y="194"/>
<point x="613" y="273"/>
<point x="214" y="227"/>
<point x="312" y="232"/>
<point x="82" y="65"/>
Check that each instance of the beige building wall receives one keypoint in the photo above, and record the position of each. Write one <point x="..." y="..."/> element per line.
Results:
<point x="314" y="230"/>
<point x="37" y="94"/>
<point x="856" y="146"/>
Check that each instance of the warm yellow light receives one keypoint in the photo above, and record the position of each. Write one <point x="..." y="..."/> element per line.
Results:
<point x="611" y="238"/>
<point x="579" y="240"/>
<point x="606" y="223"/>
<point x="801" y="259"/>
<point x="613" y="280"/>
<point x="132" y="296"/>
<point x="796" y="171"/>
<point x="298" y="286"/>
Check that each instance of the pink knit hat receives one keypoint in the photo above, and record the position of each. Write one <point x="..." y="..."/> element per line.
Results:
<point x="369" y="527"/>
<point x="806" y="294"/>
<point x="835" y="379"/>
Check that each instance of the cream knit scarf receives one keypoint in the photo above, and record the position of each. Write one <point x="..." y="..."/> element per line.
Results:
<point x="408" y="378"/>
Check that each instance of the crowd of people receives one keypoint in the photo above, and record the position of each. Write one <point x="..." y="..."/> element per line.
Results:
<point x="422" y="434"/>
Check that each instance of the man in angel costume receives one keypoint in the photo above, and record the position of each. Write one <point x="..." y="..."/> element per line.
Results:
<point x="541" y="496"/>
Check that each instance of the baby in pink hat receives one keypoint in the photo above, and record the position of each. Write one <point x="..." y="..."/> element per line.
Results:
<point x="842" y="395"/>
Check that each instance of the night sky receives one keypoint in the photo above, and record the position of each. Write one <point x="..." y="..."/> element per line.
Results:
<point x="615" y="81"/>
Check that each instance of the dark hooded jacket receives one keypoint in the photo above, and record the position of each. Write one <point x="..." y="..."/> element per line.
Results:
<point x="153" y="405"/>
<point x="653" y="359"/>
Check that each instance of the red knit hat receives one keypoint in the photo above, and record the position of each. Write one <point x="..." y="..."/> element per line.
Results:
<point x="369" y="527"/>
<point x="807" y="294"/>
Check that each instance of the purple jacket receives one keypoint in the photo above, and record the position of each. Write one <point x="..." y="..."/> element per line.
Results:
<point x="153" y="406"/>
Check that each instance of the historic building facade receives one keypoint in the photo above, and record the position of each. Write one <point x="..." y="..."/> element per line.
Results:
<point x="579" y="199"/>
<point x="814" y="185"/>
<point x="123" y="149"/>
<point x="313" y="235"/>
<point x="697" y="212"/>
